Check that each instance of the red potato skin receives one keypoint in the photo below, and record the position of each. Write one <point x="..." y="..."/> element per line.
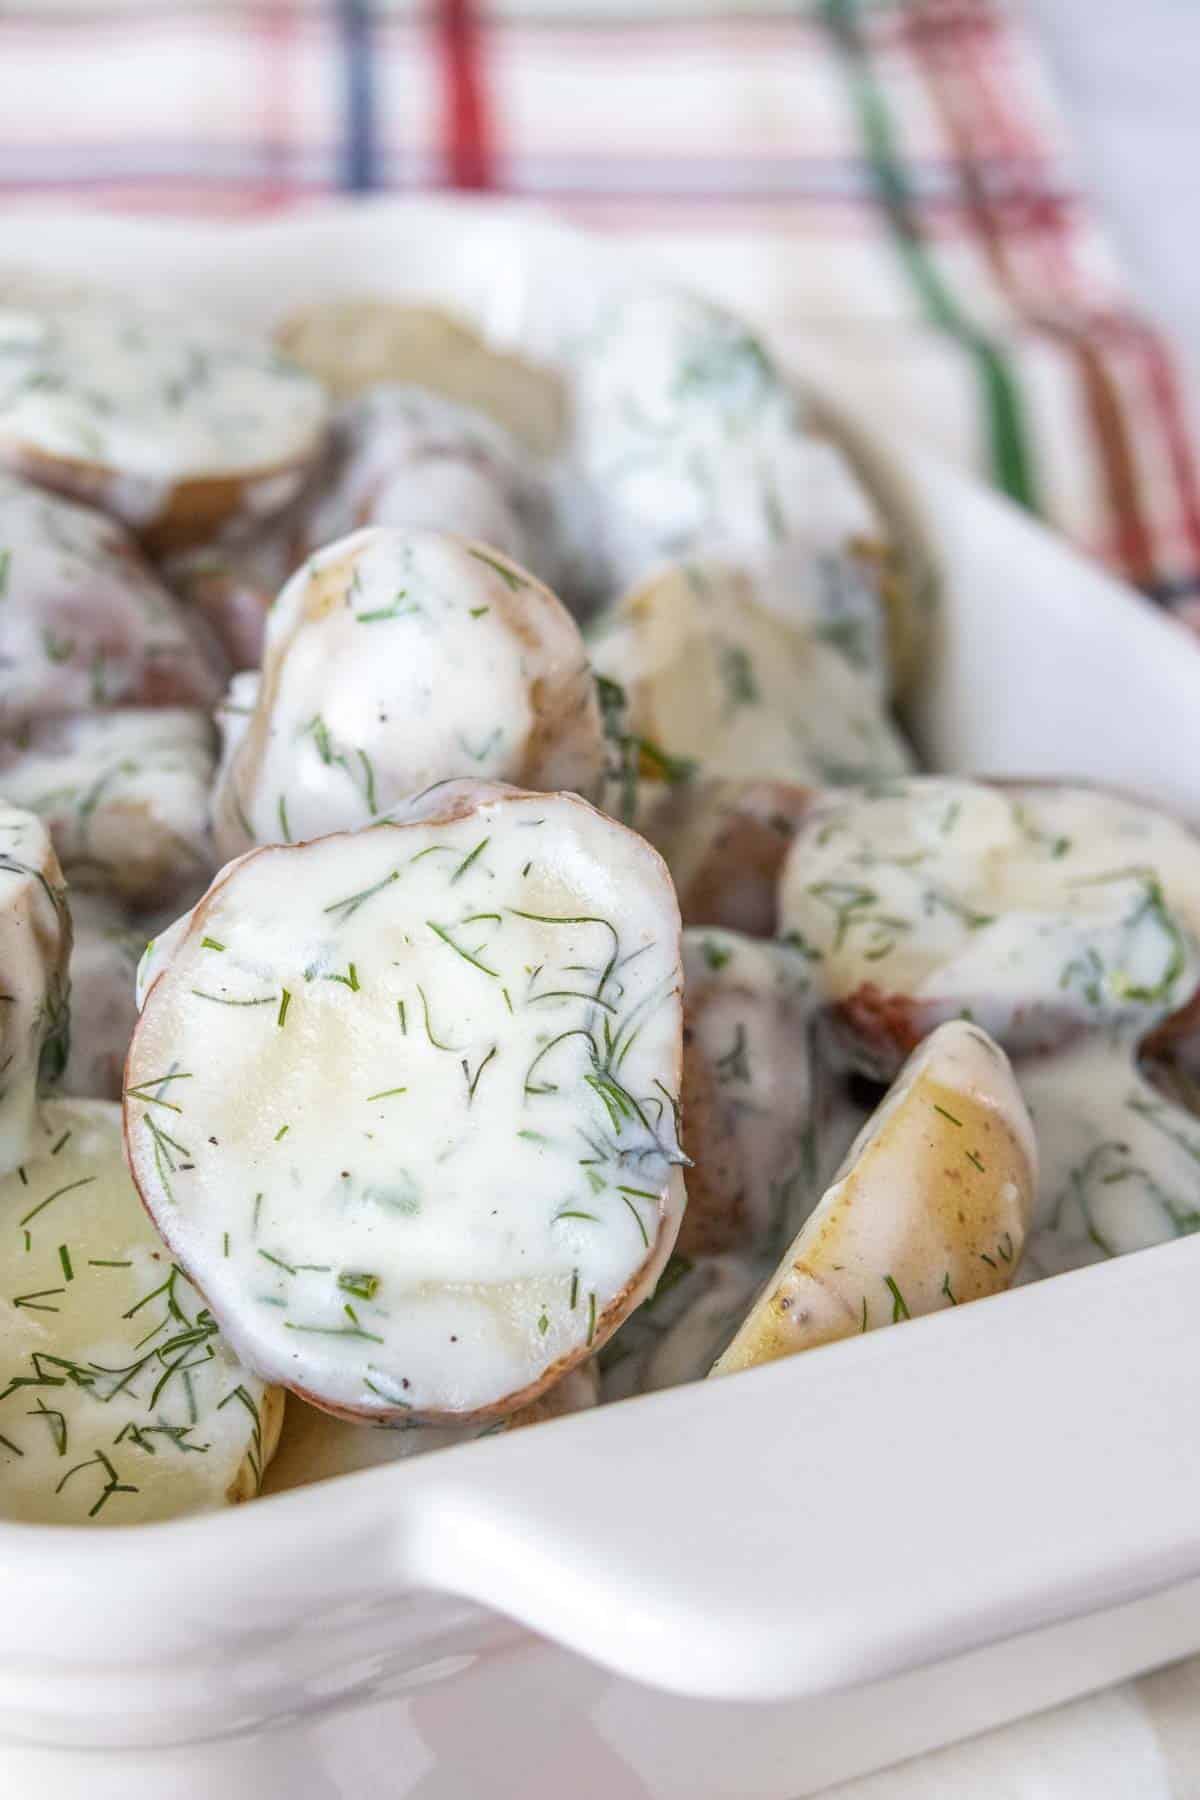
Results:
<point x="459" y="805"/>
<point x="194" y="510"/>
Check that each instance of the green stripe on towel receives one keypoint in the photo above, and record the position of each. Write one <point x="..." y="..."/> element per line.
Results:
<point x="1011" y="456"/>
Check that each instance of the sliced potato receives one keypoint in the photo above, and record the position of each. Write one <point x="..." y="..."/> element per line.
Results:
<point x="104" y="958"/>
<point x="1038" y="911"/>
<point x="350" y="345"/>
<point x="725" y="843"/>
<point x="404" y="456"/>
<point x="425" y="1158"/>
<point x="715" y="680"/>
<point x="931" y="1208"/>
<point x="695" y="1310"/>
<point x="695" y="443"/>
<point x="316" y="1446"/>
<point x="119" y="1401"/>
<point x="750" y="1094"/>
<point x="396" y="659"/>
<point x="35" y="948"/>
<point x="172" y="425"/>
<point x="124" y="795"/>
<point x="84" y="621"/>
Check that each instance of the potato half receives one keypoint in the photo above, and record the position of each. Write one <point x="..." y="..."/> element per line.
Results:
<point x="35" y="948"/>
<point x="172" y="425"/>
<point x="84" y="621"/>
<point x="750" y="1094"/>
<point x="119" y="1401"/>
<point x="425" y="1158"/>
<point x="351" y="345"/>
<point x="930" y="1210"/>
<point x="396" y="659"/>
<point x="725" y="843"/>
<point x="714" y="680"/>
<point x="1038" y="911"/>
<point x="125" y="797"/>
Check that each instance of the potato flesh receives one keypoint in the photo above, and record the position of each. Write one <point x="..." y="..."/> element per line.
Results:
<point x="931" y="1210"/>
<point x="713" y="677"/>
<point x="125" y="797"/>
<point x="84" y="622"/>
<point x="35" y="946"/>
<point x="395" y="660"/>
<point x="458" y="1200"/>
<point x="1041" y="910"/>
<point x="115" y="1407"/>
<point x="154" y="397"/>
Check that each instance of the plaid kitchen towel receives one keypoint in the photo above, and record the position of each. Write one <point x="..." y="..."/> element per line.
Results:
<point x="938" y="256"/>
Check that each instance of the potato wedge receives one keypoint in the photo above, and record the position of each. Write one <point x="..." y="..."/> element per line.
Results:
<point x="174" y="426"/>
<point x="397" y="659"/>
<point x="119" y="1402"/>
<point x="1038" y="911"/>
<point x="125" y="797"/>
<point x="717" y="682"/>
<point x="84" y="621"/>
<point x="931" y="1208"/>
<point x="352" y="345"/>
<point x="35" y="948"/>
<point x="426" y="1158"/>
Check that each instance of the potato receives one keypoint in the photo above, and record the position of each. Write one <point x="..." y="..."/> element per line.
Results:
<point x="675" y="1336"/>
<point x="750" y="1095"/>
<point x="426" y="1155"/>
<point x="714" y="682"/>
<point x="695" y="444"/>
<point x="124" y="795"/>
<point x="172" y="425"/>
<point x="316" y="1446"/>
<point x="930" y="1209"/>
<point x="397" y="659"/>
<point x="84" y="621"/>
<point x="119" y="1401"/>
<point x="1118" y="1157"/>
<point x="1038" y="911"/>
<point x="352" y="345"/>
<point x="725" y="843"/>
<point x="35" y="947"/>
<point x="104" y="958"/>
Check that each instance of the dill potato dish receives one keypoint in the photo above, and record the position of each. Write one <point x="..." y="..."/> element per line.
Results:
<point x="475" y="941"/>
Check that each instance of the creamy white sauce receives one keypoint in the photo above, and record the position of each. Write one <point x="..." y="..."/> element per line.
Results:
<point x="396" y="659"/>
<point x="1036" y="912"/>
<point x="119" y="1402"/>
<point x="35" y="943"/>
<point x="84" y="621"/>
<point x="425" y="1152"/>
<point x="124" y="795"/>
<point x="693" y="442"/>
<point x="152" y="395"/>
<point x="719" y="684"/>
<point x="1120" y="1160"/>
<point x="405" y="456"/>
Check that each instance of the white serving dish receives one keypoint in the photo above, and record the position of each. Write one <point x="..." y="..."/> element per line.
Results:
<point x="749" y="1589"/>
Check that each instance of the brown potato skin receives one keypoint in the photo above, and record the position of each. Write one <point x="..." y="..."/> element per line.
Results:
<point x="193" y="510"/>
<point x="725" y="843"/>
